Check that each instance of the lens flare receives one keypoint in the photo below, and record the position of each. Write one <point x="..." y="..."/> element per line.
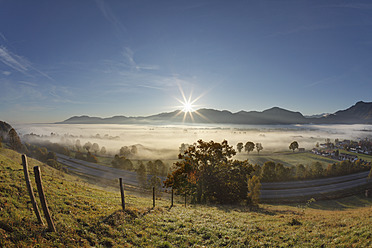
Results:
<point x="188" y="106"/>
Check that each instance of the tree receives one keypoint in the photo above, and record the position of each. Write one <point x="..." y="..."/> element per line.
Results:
<point x="259" y="147"/>
<point x="239" y="147"/>
<point x="1" y="140"/>
<point x="152" y="168"/>
<point x="95" y="148"/>
<point x="282" y="173"/>
<point x="183" y="148"/>
<point x="78" y="145"/>
<point x="133" y="150"/>
<point x="300" y="171"/>
<point x="293" y="146"/>
<point x="207" y="173"/>
<point x="370" y="174"/>
<point x="256" y="170"/>
<point x="40" y="153"/>
<point x="124" y="151"/>
<point x="52" y="155"/>
<point x="162" y="169"/>
<point x="14" y="140"/>
<point x="316" y="170"/>
<point x="53" y="163"/>
<point x="268" y="172"/>
<point x="122" y="163"/>
<point x="91" y="158"/>
<point x="103" y="150"/>
<point x="254" y="187"/>
<point x="331" y="170"/>
<point x="141" y="174"/>
<point x="87" y="146"/>
<point x="79" y="155"/>
<point x="249" y="146"/>
<point x="155" y="181"/>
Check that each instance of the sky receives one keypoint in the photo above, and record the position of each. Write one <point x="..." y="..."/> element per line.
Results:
<point x="136" y="58"/>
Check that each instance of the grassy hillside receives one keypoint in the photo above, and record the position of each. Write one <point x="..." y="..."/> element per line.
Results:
<point x="86" y="216"/>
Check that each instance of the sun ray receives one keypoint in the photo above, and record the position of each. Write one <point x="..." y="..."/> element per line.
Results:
<point x="188" y="106"/>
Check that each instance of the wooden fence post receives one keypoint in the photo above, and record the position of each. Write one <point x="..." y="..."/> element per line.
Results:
<point x="122" y="193"/>
<point x="185" y="199"/>
<point x="153" y="197"/>
<point x="31" y="190"/>
<point x="171" y="199"/>
<point x="42" y="199"/>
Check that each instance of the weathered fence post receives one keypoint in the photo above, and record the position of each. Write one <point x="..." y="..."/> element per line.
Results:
<point x="171" y="199"/>
<point x="122" y="193"/>
<point x="153" y="197"/>
<point x="31" y="190"/>
<point x="42" y="199"/>
<point x="185" y="199"/>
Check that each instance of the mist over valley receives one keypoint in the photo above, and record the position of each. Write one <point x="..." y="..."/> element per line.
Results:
<point x="163" y="141"/>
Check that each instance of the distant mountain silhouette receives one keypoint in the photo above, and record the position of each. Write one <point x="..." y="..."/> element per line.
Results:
<point x="360" y="113"/>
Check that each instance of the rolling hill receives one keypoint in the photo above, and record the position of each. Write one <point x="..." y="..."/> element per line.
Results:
<point x="360" y="113"/>
<point x="86" y="215"/>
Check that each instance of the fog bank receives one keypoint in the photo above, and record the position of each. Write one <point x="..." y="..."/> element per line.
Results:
<point x="163" y="141"/>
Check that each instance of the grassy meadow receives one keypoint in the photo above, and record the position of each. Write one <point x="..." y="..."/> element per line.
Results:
<point x="288" y="158"/>
<point x="86" y="215"/>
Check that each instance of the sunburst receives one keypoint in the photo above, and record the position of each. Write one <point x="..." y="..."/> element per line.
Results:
<point x="188" y="105"/>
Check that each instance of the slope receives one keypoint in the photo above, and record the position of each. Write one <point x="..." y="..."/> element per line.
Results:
<point x="86" y="216"/>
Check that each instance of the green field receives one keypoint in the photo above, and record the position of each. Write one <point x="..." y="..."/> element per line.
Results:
<point x="89" y="216"/>
<point x="291" y="158"/>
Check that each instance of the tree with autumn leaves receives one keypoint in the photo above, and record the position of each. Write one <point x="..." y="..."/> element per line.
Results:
<point x="208" y="173"/>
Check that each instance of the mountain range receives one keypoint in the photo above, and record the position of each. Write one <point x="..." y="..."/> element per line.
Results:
<point x="360" y="113"/>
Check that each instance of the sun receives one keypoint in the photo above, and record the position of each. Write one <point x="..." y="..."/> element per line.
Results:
<point x="187" y="107"/>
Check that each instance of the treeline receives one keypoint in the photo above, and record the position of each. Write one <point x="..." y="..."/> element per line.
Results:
<point x="44" y="155"/>
<point x="276" y="172"/>
<point x="89" y="157"/>
<point x="207" y="173"/>
<point x="89" y="147"/>
<point x="249" y="146"/>
<point x="156" y="167"/>
<point x="148" y="174"/>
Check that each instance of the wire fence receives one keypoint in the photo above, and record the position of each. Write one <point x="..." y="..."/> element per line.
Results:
<point x="119" y="189"/>
<point x="128" y="191"/>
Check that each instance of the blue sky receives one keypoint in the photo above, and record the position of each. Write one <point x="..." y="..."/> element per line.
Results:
<point x="104" y="58"/>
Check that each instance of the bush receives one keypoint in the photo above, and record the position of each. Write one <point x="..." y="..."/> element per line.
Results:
<point x="91" y="158"/>
<point x="54" y="164"/>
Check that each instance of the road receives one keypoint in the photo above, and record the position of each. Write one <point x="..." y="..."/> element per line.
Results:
<point x="97" y="170"/>
<point x="314" y="183"/>
<point x="282" y="190"/>
<point x="313" y="191"/>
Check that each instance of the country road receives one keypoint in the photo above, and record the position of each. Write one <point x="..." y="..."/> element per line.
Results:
<point x="97" y="170"/>
<point x="314" y="183"/>
<point x="313" y="191"/>
<point x="269" y="191"/>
